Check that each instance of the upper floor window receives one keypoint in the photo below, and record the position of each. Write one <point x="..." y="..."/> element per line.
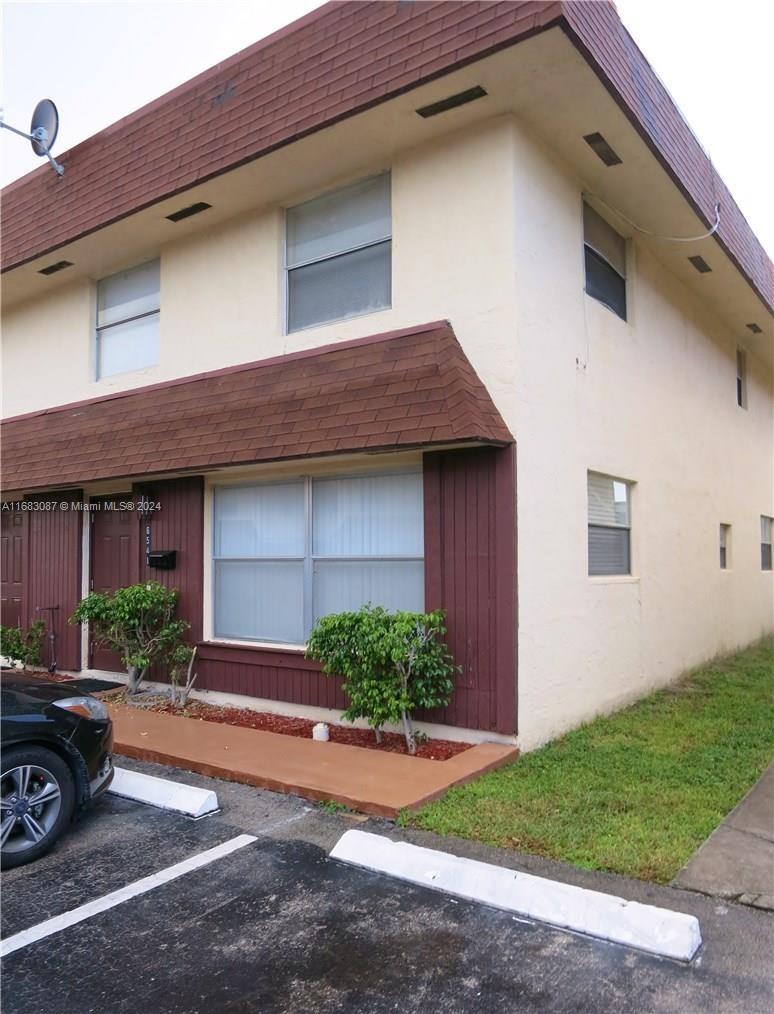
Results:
<point x="287" y="553"/>
<point x="605" y="256"/>
<point x="725" y="541"/>
<point x="741" y="378"/>
<point x="609" y="510"/>
<point x="767" y="524"/>
<point x="339" y="254"/>
<point x="128" y="320"/>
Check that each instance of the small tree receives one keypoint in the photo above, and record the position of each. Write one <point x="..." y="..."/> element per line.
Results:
<point x="392" y="663"/>
<point x="23" y="646"/>
<point x="138" y="622"/>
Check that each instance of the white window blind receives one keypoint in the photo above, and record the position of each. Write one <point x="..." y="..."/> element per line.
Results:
<point x="339" y="254"/>
<point x="128" y="307"/>
<point x="767" y="524"/>
<point x="609" y="524"/>
<point x="603" y="238"/>
<point x="287" y="553"/>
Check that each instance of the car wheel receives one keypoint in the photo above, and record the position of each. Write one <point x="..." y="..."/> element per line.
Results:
<point x="38" y="799"/>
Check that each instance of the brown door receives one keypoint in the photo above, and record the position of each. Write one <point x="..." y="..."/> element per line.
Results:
<point x="12" y="559"/>
<point x="113" y="549"/>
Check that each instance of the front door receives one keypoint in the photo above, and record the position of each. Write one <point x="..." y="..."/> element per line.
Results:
<point x="113" y="549"/>
<point x="14" y="544"/>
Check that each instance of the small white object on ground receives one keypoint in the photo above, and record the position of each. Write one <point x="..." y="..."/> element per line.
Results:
<point x="164" y="793"/>
<point x="320" y="732"/>
<point x="646" y="927"/>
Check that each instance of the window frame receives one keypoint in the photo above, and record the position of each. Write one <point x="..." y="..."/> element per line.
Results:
<point x="309" y="558"/>
<point x="767" y="563"/>
<point x="590" y="249"/>
<point x="100" y="329"/>
<point x="629" y="485"/>
<point x="741" y="377"/>
<point x="287" y="267"/>
<point x="724" y="537"/>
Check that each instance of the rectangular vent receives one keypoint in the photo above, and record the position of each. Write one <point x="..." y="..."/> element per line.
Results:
<point x="53" y="268"/>
<point x="460" y="99"/>
<point x="700" y="264"/>
<point x="755" y="328"/>
<point x="192" y="209"/>
<point x="602" y="149"/>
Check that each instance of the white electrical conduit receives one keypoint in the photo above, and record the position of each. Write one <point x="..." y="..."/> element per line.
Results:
<point x="655" y="235"/>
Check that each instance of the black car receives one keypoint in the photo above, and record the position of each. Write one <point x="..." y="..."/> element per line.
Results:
<point x="57" y="747"/>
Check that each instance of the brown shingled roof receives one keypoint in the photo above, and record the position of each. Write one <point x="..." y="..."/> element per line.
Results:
<point x="402" y="389"/>
<point x="331" y="64"/>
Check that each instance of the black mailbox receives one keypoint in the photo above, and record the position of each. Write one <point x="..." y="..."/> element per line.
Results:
<point x="162" y="559"/>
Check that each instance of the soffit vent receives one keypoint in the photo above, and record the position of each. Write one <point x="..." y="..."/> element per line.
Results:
<point x="602" y="149"/>
<point x="700" y="264"/>
<point x="460" y="99"/>
<point x="53" y="268"/>
<point x="192" y="209"/>
<point x="755" y="328"/>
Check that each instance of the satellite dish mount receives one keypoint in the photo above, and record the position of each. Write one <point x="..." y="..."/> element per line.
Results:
<point x="43" y="131"/>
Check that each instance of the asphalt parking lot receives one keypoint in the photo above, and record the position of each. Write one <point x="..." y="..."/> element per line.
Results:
<point x="275" y="926"/>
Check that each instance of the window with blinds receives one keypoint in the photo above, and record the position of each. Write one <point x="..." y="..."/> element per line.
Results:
<point x="605" y="260"/>
<point x="609" y="521"/>
<point x="128" y="311"/>
<point x="767" y="524"/>
<point x="339" y="254"/>
<point x="725" y="545"/>
<point x="288" y="553"/>
<point x="741" y="378"/>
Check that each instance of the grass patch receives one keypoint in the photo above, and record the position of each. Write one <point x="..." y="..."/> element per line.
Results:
<point x="634" y="793"/>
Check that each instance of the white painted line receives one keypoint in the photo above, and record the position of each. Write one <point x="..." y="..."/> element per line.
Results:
<point x="164" y="793"/>
<point x="657" y="930"/>
<point x="83" y="912"/>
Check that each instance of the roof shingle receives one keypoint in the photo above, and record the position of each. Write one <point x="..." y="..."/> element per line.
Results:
<point x="333" y="63"/>
<point x="402" y="389"/>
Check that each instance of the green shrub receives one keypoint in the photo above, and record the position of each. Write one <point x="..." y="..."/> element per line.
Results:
<point x="23" y="646"/>
<point x="392" y="663"/>
<point x="138" y="622"/>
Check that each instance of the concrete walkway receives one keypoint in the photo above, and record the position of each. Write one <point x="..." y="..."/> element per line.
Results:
<point x="372" y="782"/>
<point x="737" y="860"/>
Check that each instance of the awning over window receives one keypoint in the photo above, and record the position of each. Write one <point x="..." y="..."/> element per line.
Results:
<point x="404" y="389"/>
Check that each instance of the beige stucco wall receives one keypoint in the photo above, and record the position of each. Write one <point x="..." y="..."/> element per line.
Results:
<point x="487" y="233"/>
<point x="222" y="289"/>
<point x="652" y="401"/>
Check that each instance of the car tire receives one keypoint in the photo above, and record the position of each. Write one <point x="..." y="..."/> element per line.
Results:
<point x="48" y="773"/>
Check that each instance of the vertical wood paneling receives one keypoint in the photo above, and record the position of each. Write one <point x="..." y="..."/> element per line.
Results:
<point x="54" y="576"/>
<point x="470" y="572"/>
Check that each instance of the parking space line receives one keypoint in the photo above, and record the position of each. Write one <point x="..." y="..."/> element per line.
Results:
<point x="83" y="912"/>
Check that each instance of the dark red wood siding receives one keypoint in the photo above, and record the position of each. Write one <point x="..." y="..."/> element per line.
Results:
<point x="13" y="561"/>
<point x="178" y="524"/>
<point x="54" y="575"/>
<point x="470" y="570"/>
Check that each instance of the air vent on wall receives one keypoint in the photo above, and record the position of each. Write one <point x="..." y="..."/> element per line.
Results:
<point x="192" y="209"/>
<point x="53" y="268"/>
<point x="460" y="99"/>
<point x="755" y="328"/>
<point x="700" y="264"/>
<point x="602" y="149"/>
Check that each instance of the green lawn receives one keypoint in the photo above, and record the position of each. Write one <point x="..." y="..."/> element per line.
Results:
<point x="634" y="793"/>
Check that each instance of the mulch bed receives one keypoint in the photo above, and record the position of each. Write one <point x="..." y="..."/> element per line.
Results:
<point x="433" y="749"/>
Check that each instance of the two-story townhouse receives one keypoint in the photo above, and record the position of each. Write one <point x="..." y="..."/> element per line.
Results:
<point x="424" y="304"/>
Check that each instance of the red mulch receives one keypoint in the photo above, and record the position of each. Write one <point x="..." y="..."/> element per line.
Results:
<point x="392" y="742"/>
<point x="433" y="749"/>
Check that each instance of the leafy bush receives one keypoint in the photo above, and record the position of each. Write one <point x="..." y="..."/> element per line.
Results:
<point x="23" y="646"/>
<point x="139" y="623"/>
<point x="392" y="663"/>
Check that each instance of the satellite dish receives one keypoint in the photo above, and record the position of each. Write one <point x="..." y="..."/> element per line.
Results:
<point x="44" y="127"/>
<point x="43" y="131"/>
